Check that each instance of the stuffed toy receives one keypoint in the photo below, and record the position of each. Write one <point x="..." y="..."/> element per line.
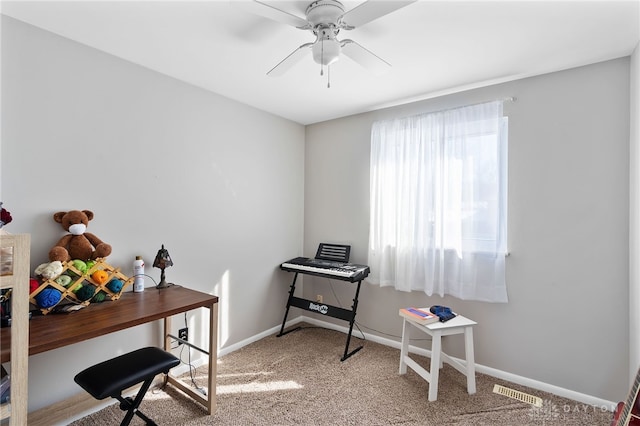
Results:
<point x="33" y="285"/>
<point x="78" y="244"/>
<point x="50" y="270"/>
<point x="5" y="216"/>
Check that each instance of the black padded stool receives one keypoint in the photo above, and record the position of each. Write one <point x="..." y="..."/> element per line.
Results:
<point x="111" y="377"/>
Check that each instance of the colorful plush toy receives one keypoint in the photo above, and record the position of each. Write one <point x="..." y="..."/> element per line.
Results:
<point x="5" y="216"/>
<point x="50" y="270"/>
<point x="48" y="298"/>
<point x="33" y="285"/>
<point x="100" y="277"/>
<point x="78" y="244"/>
<point x="64" y="280"/>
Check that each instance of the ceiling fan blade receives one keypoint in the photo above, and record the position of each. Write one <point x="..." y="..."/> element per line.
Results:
<point x="369" y="11"/>
<point x="364" y="57"/>
<point x="268" y="11"/>
<point x="293" y="58"/>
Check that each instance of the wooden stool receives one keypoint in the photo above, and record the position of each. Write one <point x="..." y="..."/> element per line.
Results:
<point x="112" y="377"/>
<point x="438" y="330"/>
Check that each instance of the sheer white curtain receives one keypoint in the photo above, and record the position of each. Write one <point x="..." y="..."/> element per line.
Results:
<point x="438" y="203"/>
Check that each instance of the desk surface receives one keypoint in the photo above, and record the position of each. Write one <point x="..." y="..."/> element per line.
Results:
<point x="54" y="330"/>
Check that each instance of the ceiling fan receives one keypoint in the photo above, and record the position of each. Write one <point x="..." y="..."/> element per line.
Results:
<point x="325" y="19"/>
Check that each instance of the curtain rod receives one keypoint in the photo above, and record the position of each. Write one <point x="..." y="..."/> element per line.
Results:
<point x="508" y="99"/>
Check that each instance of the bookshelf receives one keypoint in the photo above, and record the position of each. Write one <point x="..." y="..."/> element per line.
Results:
<point x="14" y="275"/>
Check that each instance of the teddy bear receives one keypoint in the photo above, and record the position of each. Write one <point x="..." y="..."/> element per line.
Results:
<point x="78" y="244"/>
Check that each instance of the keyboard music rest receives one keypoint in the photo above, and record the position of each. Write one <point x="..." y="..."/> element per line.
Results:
<point x="334" y="252"/>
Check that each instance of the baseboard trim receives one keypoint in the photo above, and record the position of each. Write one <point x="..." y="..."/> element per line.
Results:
<point x="499" y="374"/>
<point x="83" y="404"/>
<point x="232" y="348"/>
<point x="183" y="368"/>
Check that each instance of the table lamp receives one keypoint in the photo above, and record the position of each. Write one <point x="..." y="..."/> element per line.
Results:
<point x="162" y="261"/>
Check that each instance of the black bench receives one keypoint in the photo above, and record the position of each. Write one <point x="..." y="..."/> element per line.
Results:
<point x="110" y="378"/>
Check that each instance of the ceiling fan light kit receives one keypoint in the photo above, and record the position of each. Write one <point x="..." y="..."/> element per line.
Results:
<point x="325" y="19"/>
<point x="326" y="49"/>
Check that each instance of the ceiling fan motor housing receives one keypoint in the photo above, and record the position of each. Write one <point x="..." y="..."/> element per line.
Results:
<point x="324" y="12"/>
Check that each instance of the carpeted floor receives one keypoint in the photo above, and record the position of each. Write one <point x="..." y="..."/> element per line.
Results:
<point x="298" y="379"/>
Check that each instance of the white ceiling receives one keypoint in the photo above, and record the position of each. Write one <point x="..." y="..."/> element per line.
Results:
<point x="435" y="47"/>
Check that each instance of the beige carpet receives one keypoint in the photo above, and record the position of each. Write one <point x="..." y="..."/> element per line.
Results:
<point x="298" y="379"/>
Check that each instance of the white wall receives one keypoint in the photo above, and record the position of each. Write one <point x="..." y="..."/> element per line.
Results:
<point x="566" y="323"/>
<point x="634" y="216"/>
<point x="82" y="129"/>
<point x="159" y="162"/>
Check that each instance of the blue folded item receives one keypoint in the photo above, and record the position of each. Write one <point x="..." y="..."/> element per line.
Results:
<point x="443" y="312"/>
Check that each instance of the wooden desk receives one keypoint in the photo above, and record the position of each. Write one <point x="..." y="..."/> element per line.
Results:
<point x="57" y="330"/>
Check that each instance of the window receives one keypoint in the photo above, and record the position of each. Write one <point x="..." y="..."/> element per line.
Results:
<point x="438" y="191"/>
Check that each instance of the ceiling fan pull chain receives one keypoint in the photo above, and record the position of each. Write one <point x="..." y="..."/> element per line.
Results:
<point x="322" y="57"/>
<point x="329" y="76"/>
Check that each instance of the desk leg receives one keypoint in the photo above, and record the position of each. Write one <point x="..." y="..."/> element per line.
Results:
<point x="469" y="356"/>
<point x="167" y="331"/>
<point x="213" y="357"/>
<point x="210" y="400"/>
<point x="436" y="350"/>
<point x="404" y="345"/>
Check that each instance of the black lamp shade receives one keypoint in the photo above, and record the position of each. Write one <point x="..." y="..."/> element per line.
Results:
<point x="162" y="260"/>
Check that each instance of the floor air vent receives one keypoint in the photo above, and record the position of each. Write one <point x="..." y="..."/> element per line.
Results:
<point x="520" y="396"/>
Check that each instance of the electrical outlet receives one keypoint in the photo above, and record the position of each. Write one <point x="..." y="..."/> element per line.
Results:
<point x="183" y="334"/>
<point x="319" y="298"/>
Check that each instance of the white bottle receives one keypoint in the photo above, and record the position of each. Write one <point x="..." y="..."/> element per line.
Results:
<point x="138" y="274"/>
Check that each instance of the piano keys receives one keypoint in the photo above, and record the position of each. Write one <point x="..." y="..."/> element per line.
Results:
<point x="326" y="268"/>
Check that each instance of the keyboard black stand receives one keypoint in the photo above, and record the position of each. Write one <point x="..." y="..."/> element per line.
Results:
<point x="332" y="311"/>
<point x="327" y="256"/>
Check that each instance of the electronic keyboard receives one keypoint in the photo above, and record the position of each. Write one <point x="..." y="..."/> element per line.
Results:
<point x="331" y="261"/>
<point x="344" y="271"/>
